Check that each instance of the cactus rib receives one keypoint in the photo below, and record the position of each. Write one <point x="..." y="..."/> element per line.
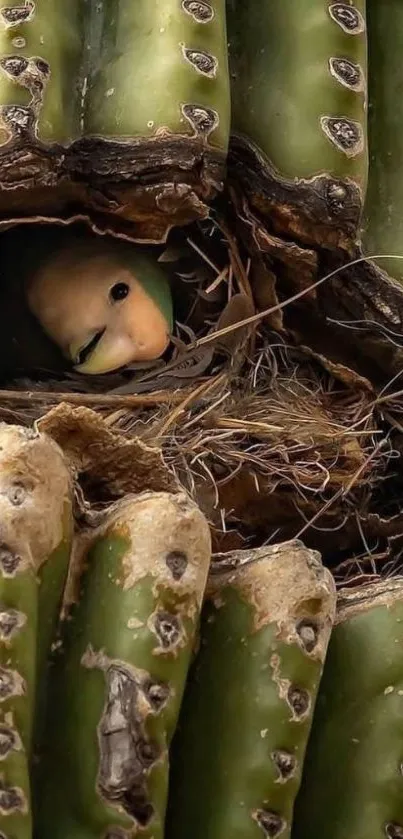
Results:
<point x="383" y="221"/>
<point x="86" y="117"/>
<point x="39" y="85"/>
<point x="353" y="784"/>
<point x="119" y="676"/>
<point x="35" y="537"/>
<point x="246" y="714"/>
<point x="298" y="83"/>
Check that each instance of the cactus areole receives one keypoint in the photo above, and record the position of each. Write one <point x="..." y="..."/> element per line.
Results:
<point x="353" y="783"/>
<point x="298" y="88"/>
<point x="35" y="540"/>
<point x="123" y="112"/>
<point x="85" y="118"/>
<point x="247" y="711"/>
<point x="135" y="591"/>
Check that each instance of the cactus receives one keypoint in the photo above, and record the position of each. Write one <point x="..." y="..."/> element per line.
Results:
<point x="298" y="84"/>
<point x="36" y="531"/>
<point x="119" y="675"/>
<point x="246" y="715"/>
<point x="41" y="47"/>
<point x="85" y="114"/>
<point x="352" y="784"/>
<point x="383" y="222"/>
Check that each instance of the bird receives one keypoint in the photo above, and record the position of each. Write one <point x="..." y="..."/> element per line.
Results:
<point x="102" y="303"/>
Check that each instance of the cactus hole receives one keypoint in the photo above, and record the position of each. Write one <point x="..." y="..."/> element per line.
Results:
<point x="167" y="628"/>
<point x="308" y="633"/>
<point x="9" y="560"/>
<point x="271" y="823"/>
<point x="137" y="805"/>
<point x="12" y="799"/>
<point x="394" y="831"/>
<point x="177" y="563"/>
<point x="299" y="701"/>
<point x="157" y="694"/>
<point x="285" y="762"/>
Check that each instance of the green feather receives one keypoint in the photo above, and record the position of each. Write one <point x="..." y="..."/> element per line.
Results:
<point x="149" y="274"/>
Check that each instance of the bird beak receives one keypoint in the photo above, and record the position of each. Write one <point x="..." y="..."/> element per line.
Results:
<point x="103" y="352"/>
<point x="135" y="331"/>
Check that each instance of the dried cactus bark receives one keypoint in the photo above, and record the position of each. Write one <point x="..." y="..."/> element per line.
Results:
<point x="119" y="676"/>
<point x="247" y="710"/>
<point x="352" y="783"/>
<point x="118" y="107"/>
<point x="35" y="538"/>
<point x="298" y="83"/>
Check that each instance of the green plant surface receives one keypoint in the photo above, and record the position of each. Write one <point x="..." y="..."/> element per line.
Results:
<point x="246" y="716"/>
<point x="135" y="590"/>
<point x="353" y="783"/>
<point x="36" y="535"/>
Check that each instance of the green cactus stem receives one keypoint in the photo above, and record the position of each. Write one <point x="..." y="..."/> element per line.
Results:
<point x="353" y="783"/>
<point x="120" y="107"/>
<point x="119" y="675"/>
<point x="383" y="221"/>
<point x="247" y="710"/>
<point x="35" y="538"/>
<point x="298" y="83"/>
<point x="41" y="52"/>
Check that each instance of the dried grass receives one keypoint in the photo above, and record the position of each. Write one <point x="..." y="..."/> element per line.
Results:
<point x="274" y="448"/>
<point x="271" y="440"/>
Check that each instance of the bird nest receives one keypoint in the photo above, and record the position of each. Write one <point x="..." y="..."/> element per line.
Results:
<point x="273" y="439"/>
<point x="283" y="447"/>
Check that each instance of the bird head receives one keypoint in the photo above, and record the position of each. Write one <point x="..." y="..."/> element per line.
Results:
<point x="104" y="305"/>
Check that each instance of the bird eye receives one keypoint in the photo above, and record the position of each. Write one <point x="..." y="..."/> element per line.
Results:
<point x="119" y="291"/>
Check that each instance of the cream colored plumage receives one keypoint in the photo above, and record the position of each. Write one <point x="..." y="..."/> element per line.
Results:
<point x="105" y="304"/>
